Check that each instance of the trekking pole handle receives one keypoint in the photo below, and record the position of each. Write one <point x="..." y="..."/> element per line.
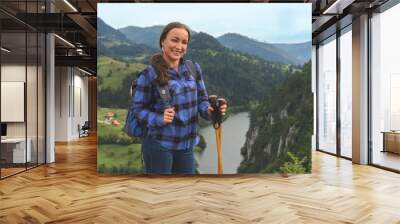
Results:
<point x="216" y="116"/>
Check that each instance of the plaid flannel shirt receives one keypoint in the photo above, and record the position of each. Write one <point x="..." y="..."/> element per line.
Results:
<point x="188" y="97"/>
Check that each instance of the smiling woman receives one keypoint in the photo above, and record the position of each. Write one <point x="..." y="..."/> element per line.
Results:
<point x="172" y="124"/>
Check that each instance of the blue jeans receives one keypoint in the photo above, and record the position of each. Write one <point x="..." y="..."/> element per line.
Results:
<point x="159" y="160"/>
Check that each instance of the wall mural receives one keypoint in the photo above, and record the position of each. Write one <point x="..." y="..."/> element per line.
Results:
<point x="255" y="56"/>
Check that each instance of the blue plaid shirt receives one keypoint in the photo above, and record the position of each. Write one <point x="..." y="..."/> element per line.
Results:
<point x="188" y="97"/>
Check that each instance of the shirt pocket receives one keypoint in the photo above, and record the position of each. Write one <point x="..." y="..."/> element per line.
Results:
<point x="180" y="100"/>
<point x="191" y="89"/>
<point x="191" y="83"/>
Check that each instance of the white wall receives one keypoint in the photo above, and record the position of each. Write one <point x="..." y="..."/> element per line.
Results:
<point x="80" y="94"/>
<point x="62" y="81"/>
<point x="13" y="73"/>
<point x="71" y="87"/>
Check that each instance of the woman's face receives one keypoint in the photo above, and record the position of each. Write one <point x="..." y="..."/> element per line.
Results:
<point x="175" y="44"/>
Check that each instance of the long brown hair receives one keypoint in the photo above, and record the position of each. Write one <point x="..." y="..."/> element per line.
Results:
<point x="158" y="61"/>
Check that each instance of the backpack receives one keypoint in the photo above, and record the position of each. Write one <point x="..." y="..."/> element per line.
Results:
<point x="135" y="128"/>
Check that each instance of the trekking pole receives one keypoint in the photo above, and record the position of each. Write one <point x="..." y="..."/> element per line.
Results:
<point x="217" y="120"/>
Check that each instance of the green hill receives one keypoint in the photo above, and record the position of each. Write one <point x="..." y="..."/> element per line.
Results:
<point x="281" y="126"/>
<point x="111" y="71"/>
<point x="114" y="80"/>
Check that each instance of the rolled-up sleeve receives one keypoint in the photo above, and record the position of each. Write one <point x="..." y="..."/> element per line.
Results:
<point x="202" y="96"/>
<point x="142" y="102"/>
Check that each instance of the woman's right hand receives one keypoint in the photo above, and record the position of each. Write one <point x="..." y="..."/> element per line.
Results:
<point x="169" y="115"/>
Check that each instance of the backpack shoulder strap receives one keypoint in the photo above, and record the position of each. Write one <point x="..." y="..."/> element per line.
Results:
<point x="192" y="69"/>
<point x="163" y="91"/>
<point x="134" y="83"/>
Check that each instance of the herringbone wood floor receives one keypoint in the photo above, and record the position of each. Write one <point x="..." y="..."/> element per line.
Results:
<point x="70" y="191"/>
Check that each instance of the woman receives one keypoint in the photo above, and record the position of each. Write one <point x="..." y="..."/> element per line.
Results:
<point x="172" y="131"/>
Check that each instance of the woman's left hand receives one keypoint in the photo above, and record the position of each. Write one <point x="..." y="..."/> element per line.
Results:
<point x="222" y="109"/>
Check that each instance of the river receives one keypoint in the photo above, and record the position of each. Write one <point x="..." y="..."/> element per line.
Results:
<point x="233" y="137"/>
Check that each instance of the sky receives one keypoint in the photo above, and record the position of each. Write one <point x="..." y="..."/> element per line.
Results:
<point x="266" y="22"/>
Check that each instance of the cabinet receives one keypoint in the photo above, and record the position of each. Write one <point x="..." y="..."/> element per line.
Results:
<point x="391" y="142"/>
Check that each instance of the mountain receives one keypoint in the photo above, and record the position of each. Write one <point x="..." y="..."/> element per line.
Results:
<point x="108" y="35"/>
<point x="147" y="35"/>
<point x="301" y="51"/>
<point x="296" y="54"/>
<point x="269" y="52"/>
<point x="281" y="128"/>
<point x="240" y="78"/>
<point x="204" y="41"/>
<point x="113" y="43"/>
